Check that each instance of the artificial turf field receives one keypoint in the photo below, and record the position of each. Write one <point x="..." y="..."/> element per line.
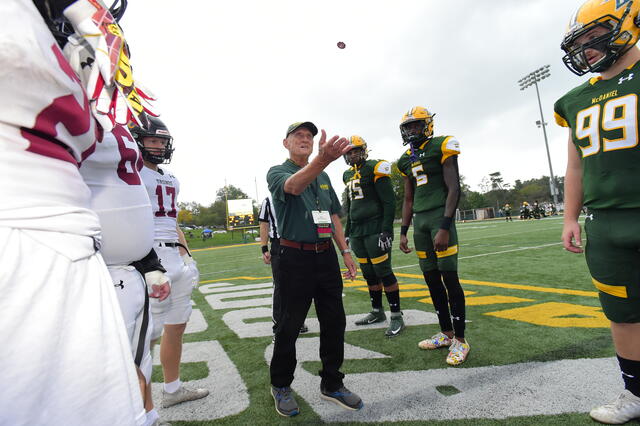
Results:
<point x="540" y="345"/>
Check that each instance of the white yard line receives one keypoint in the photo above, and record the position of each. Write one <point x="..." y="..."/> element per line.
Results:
<point x="492" y="253"/>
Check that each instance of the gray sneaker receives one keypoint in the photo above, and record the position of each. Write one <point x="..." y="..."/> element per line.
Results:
<point x="372" y="317"/>
<point x="181" y="395"/>
<point x="343" y="397"/>
<point x="396" y="325"/>
<point x="286" y="404"/>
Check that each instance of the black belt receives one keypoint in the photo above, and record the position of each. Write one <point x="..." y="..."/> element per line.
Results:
<point x="175" y="245"/>
<point x="161" y="243"/>
<point x="317" y="247"/>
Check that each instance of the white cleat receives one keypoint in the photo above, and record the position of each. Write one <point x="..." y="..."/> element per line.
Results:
<point x="183" y="394"/>
<point x="626" y="407"/>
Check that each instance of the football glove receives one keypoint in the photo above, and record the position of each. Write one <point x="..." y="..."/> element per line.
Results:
<point x="384" y="241"/>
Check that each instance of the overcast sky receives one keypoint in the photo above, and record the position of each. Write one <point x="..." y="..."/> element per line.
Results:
<point x="231" y="76"/>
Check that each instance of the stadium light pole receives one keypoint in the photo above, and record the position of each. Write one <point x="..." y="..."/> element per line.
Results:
<point x="529" y="80"/>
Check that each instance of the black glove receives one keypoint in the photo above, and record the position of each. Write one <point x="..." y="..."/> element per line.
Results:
<point x="384" y="241"/>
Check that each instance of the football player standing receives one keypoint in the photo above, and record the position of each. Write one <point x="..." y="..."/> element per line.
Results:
<point x="171" y="315"/>
<point x="431" y="195"/>
<point x="65" y="358"/>
<point x="602" y="174"/>
<point x="121" y="201"/>
<point x="370" y="210"/>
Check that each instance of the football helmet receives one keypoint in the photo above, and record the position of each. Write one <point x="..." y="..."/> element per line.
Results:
<point x="51" y="11"/>
<point x="620" y="24"/>
<point x="358" y="154"/>
<point x="153" y="127"/>
<point x="425" y="132"/>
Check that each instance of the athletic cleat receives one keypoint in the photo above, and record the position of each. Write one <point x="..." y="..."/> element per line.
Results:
<point x="372" y="318"/>
<point x="626" y="407"/>
<point x="286" y="404"/>
<point x="343" y="397"/>
<point x="396" y="325"/>
<point x="458" y="352"/>
<point x="436" y="341"/>
<point x="183" y="394"/>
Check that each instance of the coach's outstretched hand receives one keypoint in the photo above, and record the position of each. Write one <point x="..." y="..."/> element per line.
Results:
<point x="332" y="149"/>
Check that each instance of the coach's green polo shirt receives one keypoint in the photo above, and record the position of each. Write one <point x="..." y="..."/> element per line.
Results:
<point x="295" y="220"/>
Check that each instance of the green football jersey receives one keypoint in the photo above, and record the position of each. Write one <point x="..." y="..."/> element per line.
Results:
<point x="425" y="172"/>
<point x="603" y="118"/>
<point x="371" y="201"/>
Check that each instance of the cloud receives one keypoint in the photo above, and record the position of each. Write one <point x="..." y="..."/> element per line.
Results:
<point x="231" y="76"/>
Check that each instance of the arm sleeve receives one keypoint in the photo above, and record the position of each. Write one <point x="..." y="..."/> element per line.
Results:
<point x="384" y="188"/>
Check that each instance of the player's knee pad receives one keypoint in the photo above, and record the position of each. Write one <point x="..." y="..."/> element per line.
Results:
<point x="427" y="265"/>
<point x="390" y="279"/>
<point x="368" y="272"/>
<point x="374" y="284"/>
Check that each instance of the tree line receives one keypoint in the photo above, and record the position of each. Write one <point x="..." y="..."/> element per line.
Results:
<point x="494" y="192"/>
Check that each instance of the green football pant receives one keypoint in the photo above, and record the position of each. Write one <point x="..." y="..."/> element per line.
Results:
<point x="374" y="262"/>
<point x="613" y="257"/>
<point x="425" y="227"/>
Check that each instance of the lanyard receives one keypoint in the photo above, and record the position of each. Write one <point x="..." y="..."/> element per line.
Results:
<point x="314" y="188"/>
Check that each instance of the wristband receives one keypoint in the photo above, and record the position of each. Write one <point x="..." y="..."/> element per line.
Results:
<point x="404" y="229"/>
<point x="345" y="251"/>
<point x="446" y="223"/>
<point x="265" y="249"/>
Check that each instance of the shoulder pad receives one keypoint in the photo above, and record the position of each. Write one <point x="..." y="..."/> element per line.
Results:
<point x="560" y="120"/>
<point x="382" y="168"/>
<point x="450" y="147"/>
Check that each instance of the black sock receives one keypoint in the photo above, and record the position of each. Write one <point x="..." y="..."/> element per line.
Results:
<point x="376" y="299"/>
<point x="393" y="297"/>
<point x="439" y="298"/>
<point x="630" y="374"/>
<point x="456" y="301"/>
<point x="375" y="295"/>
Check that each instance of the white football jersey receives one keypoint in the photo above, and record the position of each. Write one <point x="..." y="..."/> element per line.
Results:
<point x="119" y="197"/>
<point x="46" y="128"/>
<point x="163" y="189"/>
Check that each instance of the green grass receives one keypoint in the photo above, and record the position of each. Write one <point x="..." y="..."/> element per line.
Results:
<point x="532" y="256"/>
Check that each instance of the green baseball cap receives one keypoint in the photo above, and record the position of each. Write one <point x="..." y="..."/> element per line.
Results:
<point x="306" y="124"/>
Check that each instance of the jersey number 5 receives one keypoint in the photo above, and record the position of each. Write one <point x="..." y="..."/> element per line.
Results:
<point x="420" y="175"/>
<point x="619" y="113"/>
<point x="171" y="191"/>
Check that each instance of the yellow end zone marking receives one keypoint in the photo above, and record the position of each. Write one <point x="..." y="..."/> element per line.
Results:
<point x="224" y="247"/>
<point x="236" y="278"/>
<point x="517" y="286"/>
<point x="494" y="300"/>
<point x="554" y="314"/>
